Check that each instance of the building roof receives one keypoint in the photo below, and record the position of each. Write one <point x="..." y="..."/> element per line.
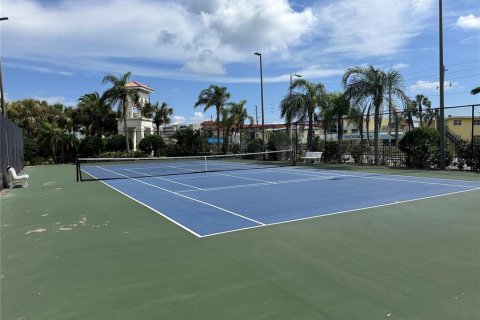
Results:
<point x="140" y="86"/>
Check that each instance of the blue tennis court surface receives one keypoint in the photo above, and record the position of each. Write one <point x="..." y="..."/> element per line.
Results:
<point x="212" y="203"/>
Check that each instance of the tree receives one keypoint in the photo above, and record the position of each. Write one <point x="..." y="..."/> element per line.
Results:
<point x="160" y="115"/>
<point x="119" y="93"/>
<point x="233" y="118"/>
<point x="301" y="102"/>
<point x="475" y="90"/>
<point x="369" y="86"/>
<point x="214" y="96"/>
<point x="422" y="101"/>
<point x="94" y="114"/>
<point x="336" y="106"/>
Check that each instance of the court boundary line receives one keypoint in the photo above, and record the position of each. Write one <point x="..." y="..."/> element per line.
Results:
<point x="168" y="180"/>
<point x="190" y="198"/>
<point x="339" y="212"/>
<point x="381" y="178"/>
<point x="151" y="208"/>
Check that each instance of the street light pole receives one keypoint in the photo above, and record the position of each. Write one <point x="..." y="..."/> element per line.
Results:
<point x="293" y="75"/>
<point x="2" y="97"/>
<point x="261" y="95"/>
<point x="442" y="80"/>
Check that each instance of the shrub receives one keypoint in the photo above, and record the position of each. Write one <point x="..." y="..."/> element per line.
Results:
<point x="279" y="141"/>
<point x="421" y="147"/>
<point x="469" y="154"/>
<point x="152" y="144"/>
<point x="357" y="151"/>
<point x="256" y="145"/>
<point x="117" y="143"/>
<point x="31" y="151"/>
<point x="91" y="146"/>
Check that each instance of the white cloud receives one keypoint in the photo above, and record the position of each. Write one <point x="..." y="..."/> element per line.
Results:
<point x="197" y="117"/>
<point x="205" y="64"/>
<point x="365" y="28"/>
<point x="178" y="119"/>
<point x="468" y="22"/>
<point x="200" y="35"/>
<point x="56" y="99"/>
<point x="400" y="66"/>
<point x="424" y="86"/>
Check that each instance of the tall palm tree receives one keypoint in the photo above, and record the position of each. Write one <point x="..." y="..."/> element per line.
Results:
<point x="475" y="90"/>
<point x="120" y="94"/>
<point x="336" y="106"/>
<point x="301" y="102"/>
<point x="233" y="119"/>
<point x="214" y="96"/>
<point x="422" y="101"/>
<point x="370" y="86"/>
<point x="392" y="79"/>
<point x="159" y="114"/>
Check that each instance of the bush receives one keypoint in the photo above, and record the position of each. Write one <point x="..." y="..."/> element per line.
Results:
<point x="91" y="146"/>
<point x="117" y="143"/>
<point x="123" y="154"/>
<point x="469" y="154"/>
<point x="357" y="151"/>
<point x="31" y="151"/>
<point x="331" y="151"/>
<point x="256" y="145"/>
<point x="421" y="147"/>
<point x="279" y="141"/>
<point x="152" y="144"/>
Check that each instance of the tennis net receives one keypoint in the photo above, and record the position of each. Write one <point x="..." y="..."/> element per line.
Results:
<point x="127" y="168"/>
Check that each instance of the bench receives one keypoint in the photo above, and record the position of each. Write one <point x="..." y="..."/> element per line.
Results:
<point x="16" y="180"/>
<point x="311" y="155"/>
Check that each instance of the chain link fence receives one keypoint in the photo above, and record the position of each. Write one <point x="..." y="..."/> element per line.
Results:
<point x="11" y="148"/>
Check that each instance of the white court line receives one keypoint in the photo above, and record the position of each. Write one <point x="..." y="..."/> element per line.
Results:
<point x="338" y="212"/>
<point x="186" y="197"/>
<point x="229" y="175"/>
<point x="147" y="206"/>
<point x="258" y="184"/>
<point x="375" y="177"/>
<point x="164" y="179"/>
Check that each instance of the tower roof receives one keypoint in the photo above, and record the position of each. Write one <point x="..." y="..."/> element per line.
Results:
<point x="140" y="86"/>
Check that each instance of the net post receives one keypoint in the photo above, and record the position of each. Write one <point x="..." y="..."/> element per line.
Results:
<point x="77" y="167"/>
<point x="206" y="166"/>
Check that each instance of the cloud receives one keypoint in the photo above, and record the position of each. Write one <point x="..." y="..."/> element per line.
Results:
<point x="205" y="64"/>
<point x="197" y="117"/>
<point x="56" y="99"/>
<point x="468" y="22"/>
<point x="400" y="66"/>
<point x="202" y="36"/>
<point x="423" y="86"/>
<point x="178" y="119"/>
<point x="366" y="28"/>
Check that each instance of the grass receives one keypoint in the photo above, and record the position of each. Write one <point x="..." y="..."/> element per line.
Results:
<point x="103" y="256"/>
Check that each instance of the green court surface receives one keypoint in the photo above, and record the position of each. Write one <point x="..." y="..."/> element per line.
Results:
<point x="84" y="251"/>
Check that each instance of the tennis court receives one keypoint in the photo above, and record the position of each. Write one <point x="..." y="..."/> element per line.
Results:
<point x="226" y="199"/>
<point x="75" y="250"/>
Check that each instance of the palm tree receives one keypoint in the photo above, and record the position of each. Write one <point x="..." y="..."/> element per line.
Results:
<point x="50" y="135"/>
<point x="214" y="96"/>
<point x="233" y="119"/>
<point x="301" y="102"/>
<point x="370" y="87"/>
<point x="422" y="101"/>
<point x="160" y="115"/>
<point x="475" y="90"/>
<point x="120" y="94"/>
<point x="94" y="114"/>
<point x="336" y="106"/>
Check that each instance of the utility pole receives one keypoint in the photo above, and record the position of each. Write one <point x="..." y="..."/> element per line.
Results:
<point x="261" y="93"/>
<point x="2" y="97"/>
<point x="441" y="85"/>
<point x="256" y="115"/>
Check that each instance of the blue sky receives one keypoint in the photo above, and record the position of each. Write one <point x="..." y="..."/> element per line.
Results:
<point x="58" y="50"/>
